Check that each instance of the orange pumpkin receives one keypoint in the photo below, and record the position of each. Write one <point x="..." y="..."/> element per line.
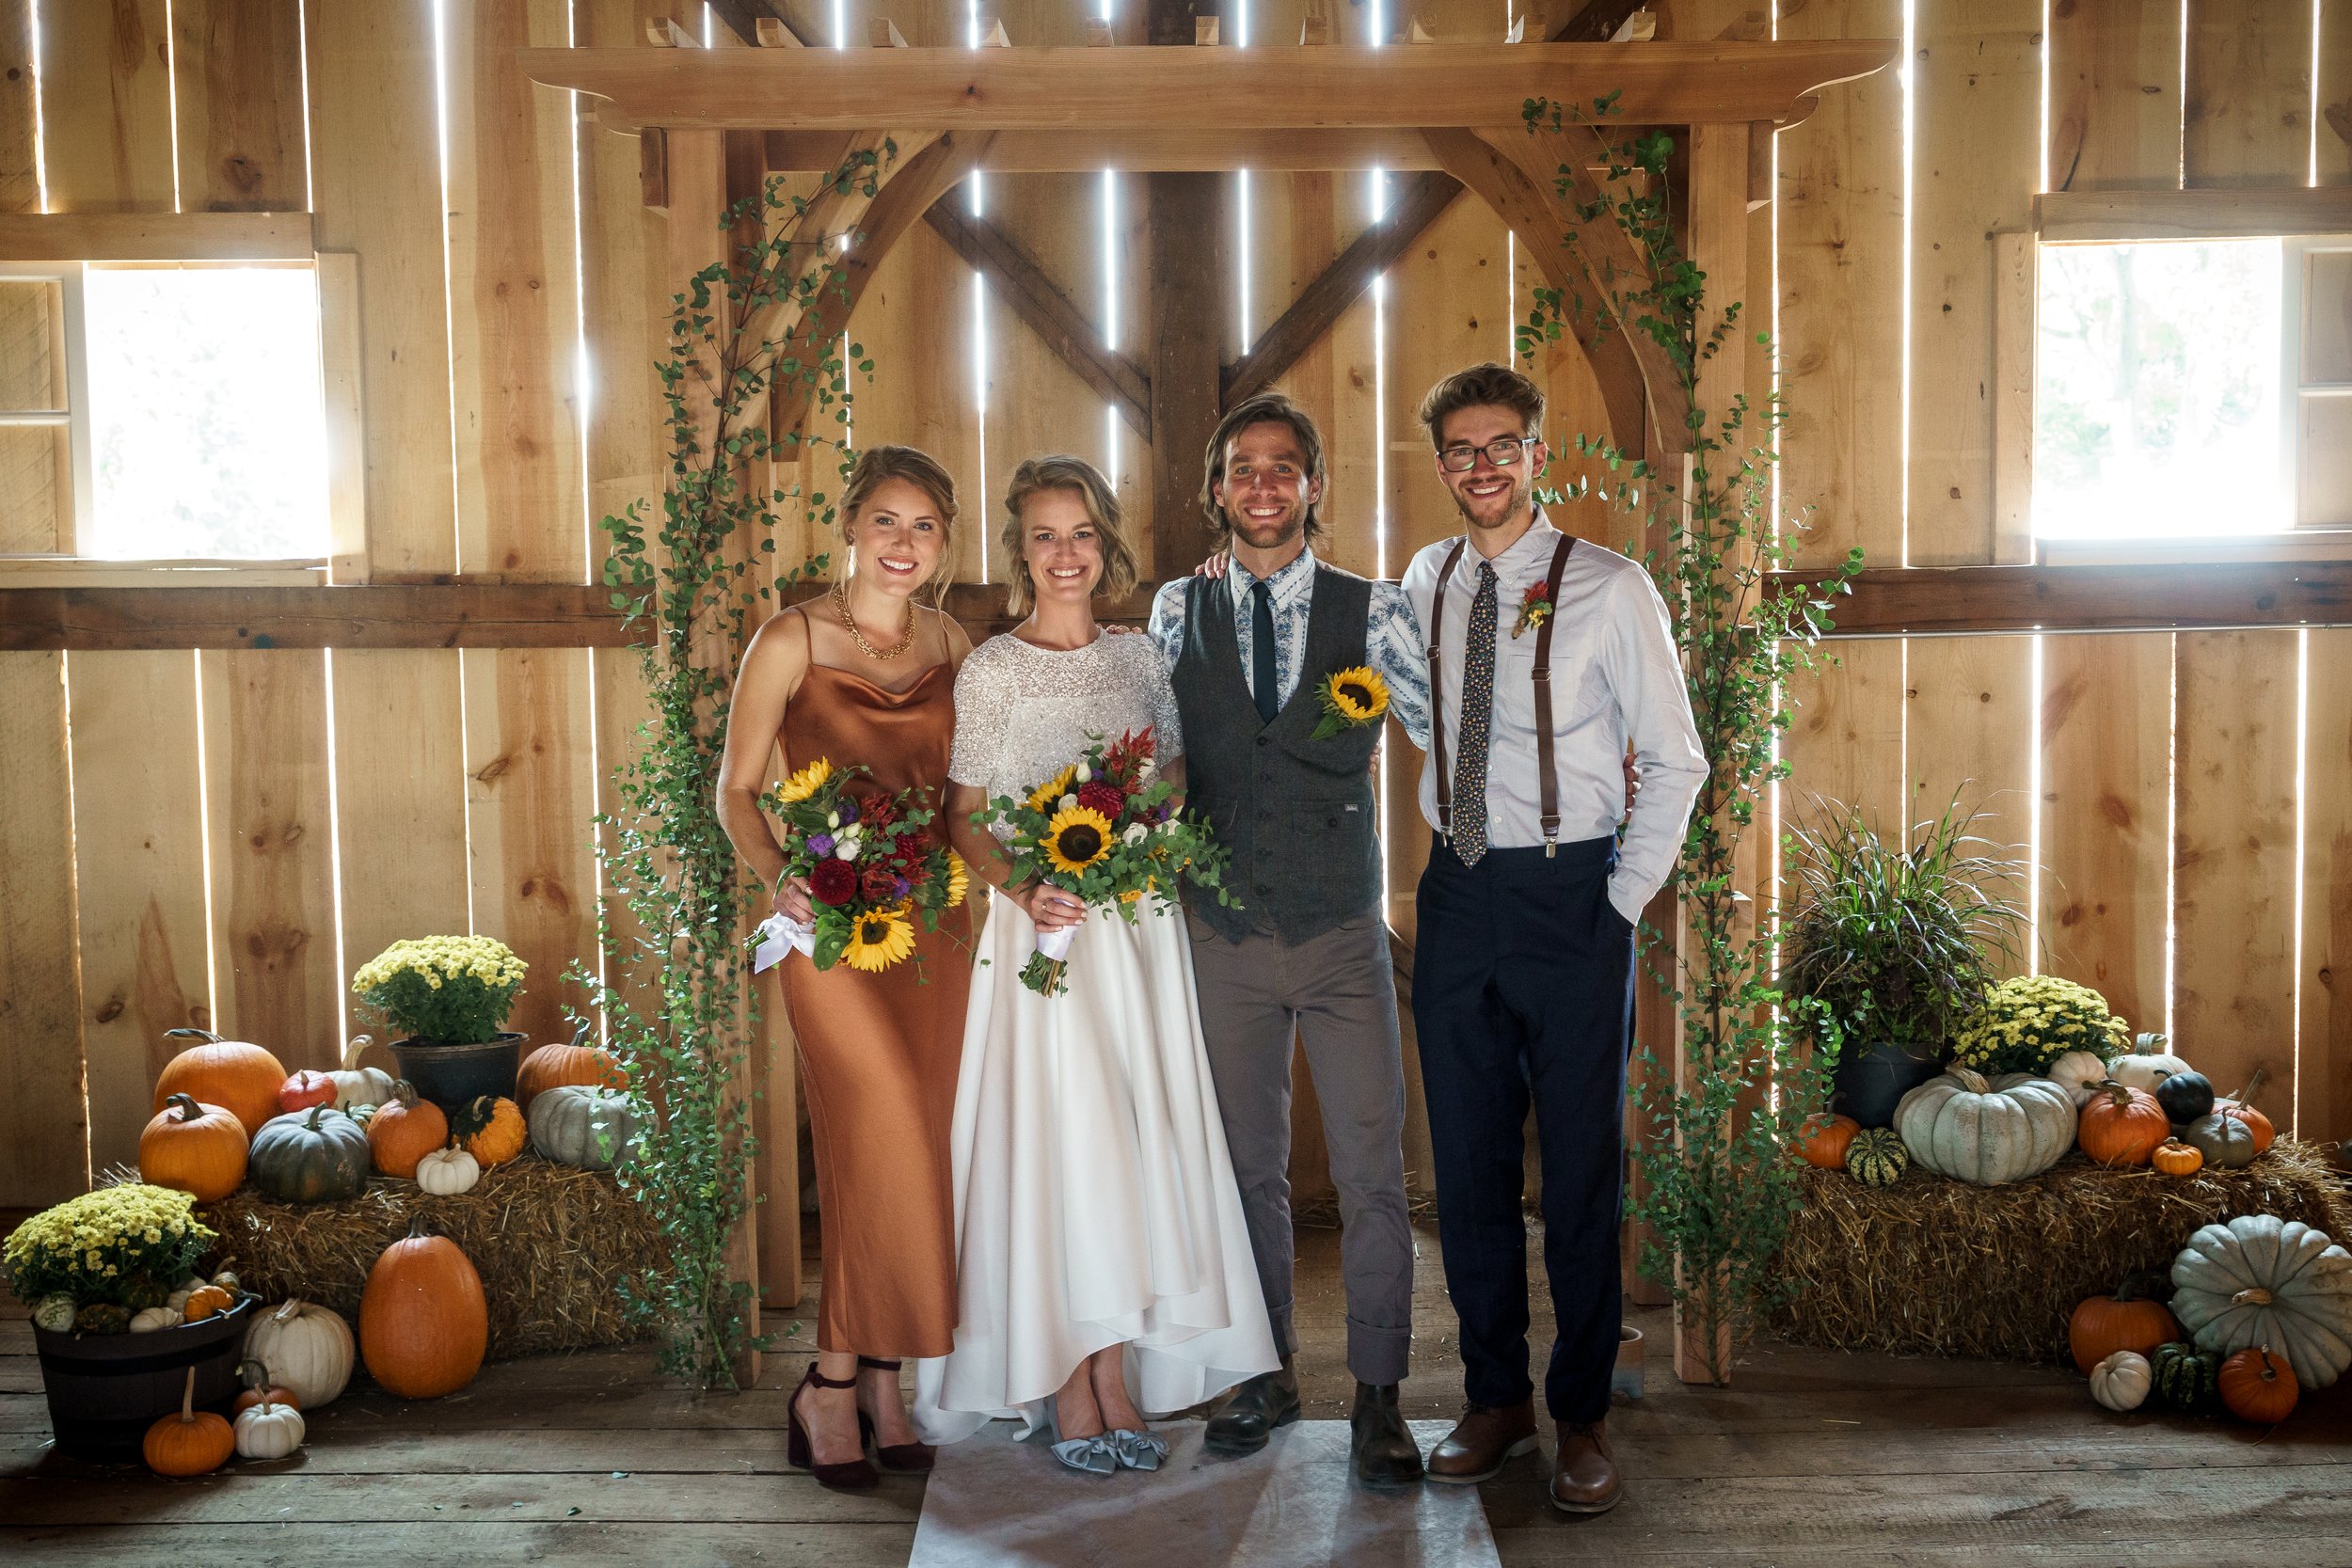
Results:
<point x="2175" y="1158"/>
<point x="2258" y="1387"/>
<point x="205" y="1301"/>
<point x="1824" y="1138"/>
<point x="2125" y="1321"/>
<point x="2239" y="1107"/>
<point x="198" y="1149"/>
<point x="192" y="1443"/>
<point x="241" y="1078"/>
<point x="553" y="1066"/>
<point x="491" y="1129"/>
<point x="403" y="1130"/>
<point x="423" y="1324"/>
<point x="305" y="1089"/>
<point x="259" y="1389"/>
<point x="2122" y="1126"/>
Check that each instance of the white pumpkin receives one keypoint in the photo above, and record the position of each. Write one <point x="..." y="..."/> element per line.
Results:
<point x="2005" y="1129"/>
<point x="2121" y="1381"/>
<point x="356" y="1084"/>
<point x="155" y="1318"/>
<point x="268" y="1431"/>
<point x="305" y="1349"/>
<point x="2148" y="1065"/>
<point x="2261" y="1280"/>
<point x="2078" y="1072"/>
<point x="447" y="1172"/>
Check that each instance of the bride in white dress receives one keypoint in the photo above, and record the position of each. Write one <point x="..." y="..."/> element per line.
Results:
<point x="1099" y="1232"/>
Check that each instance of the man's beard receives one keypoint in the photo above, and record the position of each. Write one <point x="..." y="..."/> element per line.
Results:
<point x="1290" y="527"/>
<point x="1515" y="500"/>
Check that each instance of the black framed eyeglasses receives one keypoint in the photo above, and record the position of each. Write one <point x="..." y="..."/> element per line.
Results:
<point x="1502" y="453"/>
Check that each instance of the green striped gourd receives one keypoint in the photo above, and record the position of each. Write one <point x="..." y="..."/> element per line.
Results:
<point x="1876" y="1158"/>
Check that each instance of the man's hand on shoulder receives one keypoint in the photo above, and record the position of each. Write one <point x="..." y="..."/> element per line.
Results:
<point x="1214" y="569"/>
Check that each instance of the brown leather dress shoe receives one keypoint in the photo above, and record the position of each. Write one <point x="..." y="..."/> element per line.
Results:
<point x="1481" y="1440"/>
<point x="1585" y="1475"/>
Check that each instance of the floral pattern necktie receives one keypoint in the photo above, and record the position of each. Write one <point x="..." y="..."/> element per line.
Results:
<point x="1478" y="696"/>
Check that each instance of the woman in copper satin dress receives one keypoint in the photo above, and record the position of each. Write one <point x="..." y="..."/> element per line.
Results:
<point x="865" y="675"/>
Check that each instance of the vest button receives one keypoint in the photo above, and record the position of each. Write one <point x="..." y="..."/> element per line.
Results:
<point x="1266" y="741"/>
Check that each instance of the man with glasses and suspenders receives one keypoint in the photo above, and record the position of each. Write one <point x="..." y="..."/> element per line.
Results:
<point x="1548" y="656"/>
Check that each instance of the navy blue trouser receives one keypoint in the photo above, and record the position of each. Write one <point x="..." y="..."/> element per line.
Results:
<point x="1523" y="989"/>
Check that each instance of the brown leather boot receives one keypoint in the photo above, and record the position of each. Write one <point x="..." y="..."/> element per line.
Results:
<point x="1585" y="1475"/>
<point x="1481" y="1440"/>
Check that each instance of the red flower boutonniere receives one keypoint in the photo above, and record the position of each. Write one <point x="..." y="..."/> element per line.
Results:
<point x="1534" y="609"/>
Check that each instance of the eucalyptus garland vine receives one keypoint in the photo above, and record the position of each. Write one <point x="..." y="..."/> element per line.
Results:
<point x="675" y="993"/>
<point x="1718" y="1186"/>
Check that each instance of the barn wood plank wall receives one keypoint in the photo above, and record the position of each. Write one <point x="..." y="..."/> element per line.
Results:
<point x="338" y="800"/>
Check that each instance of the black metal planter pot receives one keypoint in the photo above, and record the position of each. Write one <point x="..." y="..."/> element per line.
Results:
<point x="454" y="1076"/>
<point x="106" y="1389"/>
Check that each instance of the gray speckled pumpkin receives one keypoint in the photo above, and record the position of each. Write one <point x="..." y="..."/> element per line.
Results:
<point x="579" y="1124"/>
<point x="1985" y="1132"/>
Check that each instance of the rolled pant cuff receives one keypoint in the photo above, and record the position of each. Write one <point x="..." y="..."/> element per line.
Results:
<point x="1378" y="1355"/>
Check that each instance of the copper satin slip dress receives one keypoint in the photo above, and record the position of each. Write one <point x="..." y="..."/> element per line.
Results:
<point x="878" y="1053"/>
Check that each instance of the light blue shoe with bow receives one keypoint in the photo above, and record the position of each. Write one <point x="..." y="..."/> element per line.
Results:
<point x="1139" y="1450"/>
<point x="1094" y="1456"/>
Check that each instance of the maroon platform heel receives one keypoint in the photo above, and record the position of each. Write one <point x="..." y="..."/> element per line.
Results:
<point x="856" y="1476"/>
<point x="899" y="1459"/>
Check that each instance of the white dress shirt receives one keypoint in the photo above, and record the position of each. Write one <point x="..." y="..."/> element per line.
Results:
<point x="1615" y="678"/>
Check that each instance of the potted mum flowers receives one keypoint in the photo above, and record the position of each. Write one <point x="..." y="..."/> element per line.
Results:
<point x="446" y="1000"/>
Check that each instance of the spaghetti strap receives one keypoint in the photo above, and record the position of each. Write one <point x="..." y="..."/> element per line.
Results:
<point x="808" y="634"/>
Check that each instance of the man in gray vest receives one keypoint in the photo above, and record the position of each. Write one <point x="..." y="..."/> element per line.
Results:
<point x="1285" y="668"/>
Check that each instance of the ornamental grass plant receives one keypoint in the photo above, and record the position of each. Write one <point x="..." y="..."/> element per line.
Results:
<point x="1895" y="938"/>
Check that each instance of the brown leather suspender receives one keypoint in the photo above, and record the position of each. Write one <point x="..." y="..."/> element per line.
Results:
<point x="1547" y="769"/>
<point x="1436" y="690"/>
<point x="1546" y="773"/>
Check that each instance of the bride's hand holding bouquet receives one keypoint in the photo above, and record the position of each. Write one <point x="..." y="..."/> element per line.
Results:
<point x="871" y="868"/>
<point x="1102" y="832"/>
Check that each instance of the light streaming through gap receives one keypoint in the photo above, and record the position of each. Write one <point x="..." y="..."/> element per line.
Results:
<point x="979" y="315"/>
<point x="335" y="858"/>
<point x="1110" y="307"/>
<point x="584" y="371"/>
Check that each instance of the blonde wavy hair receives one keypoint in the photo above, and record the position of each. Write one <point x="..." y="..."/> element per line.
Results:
<point x="877" y="467"/>
<point x="1088" y="482"/>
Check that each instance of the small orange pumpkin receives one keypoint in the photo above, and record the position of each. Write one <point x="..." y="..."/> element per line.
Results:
<point x="403" y="1130"/>
<point x="240" y="1077"/>
<point x="192" y="1443"/>
<point x="553" y="1066"/>
<point x="206" y="1301"/>
<point x="2175" y="1158"/>
<point x="1824" y="1138"/>
<point x="423" y="1323"/>
<point x="200" y="1150"/>
<point x="491" y="1129"/>
<point x="2258" y="1387"/>
<point x="259" y="1389"/>
<point x="2100" y="1326"/>
<point x="2122" y="1126"/>
<point x="305" y="1089"/>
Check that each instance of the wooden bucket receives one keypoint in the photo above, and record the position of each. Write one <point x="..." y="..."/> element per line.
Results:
<point x="106" y="1389"/>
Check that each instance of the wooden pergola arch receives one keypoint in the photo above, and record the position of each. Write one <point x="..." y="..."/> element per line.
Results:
<point x="718" y="117"/>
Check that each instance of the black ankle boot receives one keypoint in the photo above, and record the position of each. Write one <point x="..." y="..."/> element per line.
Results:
<point x="1248" y="1421"/>
<point x="1380" y="1446"/>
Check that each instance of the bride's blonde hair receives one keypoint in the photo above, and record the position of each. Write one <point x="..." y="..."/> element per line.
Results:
<point x="1088" y="482"/>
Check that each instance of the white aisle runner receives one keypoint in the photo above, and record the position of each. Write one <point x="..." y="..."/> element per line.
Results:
<point x="993" y="1503"/>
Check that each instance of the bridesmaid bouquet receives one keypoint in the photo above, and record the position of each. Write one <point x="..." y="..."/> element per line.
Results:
<point x="872" y="870"/>
<point x="1104" y="829"/>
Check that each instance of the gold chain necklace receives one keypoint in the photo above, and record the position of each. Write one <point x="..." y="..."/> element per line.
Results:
<point x="842" y="603"/>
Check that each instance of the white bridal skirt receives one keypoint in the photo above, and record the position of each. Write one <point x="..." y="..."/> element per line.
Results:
<point x="1095" y="1201"/>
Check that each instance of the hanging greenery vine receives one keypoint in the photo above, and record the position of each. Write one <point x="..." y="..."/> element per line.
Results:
<point x="1717" y="1183"/>
<point x="676" y="990"/>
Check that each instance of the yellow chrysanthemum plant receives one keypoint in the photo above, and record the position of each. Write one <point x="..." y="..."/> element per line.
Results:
<point x="875" y="867"/>
<point x="450" y="990"/>
<point x="1351" y="700"/>
<point x="125" y="1247"/>
<point x="2028" y="1023"/>
<point x="1106" y="830"/>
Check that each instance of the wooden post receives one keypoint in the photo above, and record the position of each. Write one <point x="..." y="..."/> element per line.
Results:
<point x="1191" y="321"/>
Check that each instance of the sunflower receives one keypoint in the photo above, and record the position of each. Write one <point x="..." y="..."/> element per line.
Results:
<point x="805" y="783"/>
<point x="879" y="939"/>
<point x="1358" y="694"/>
<point x="1053" y="789"/>
<point x="1076" y="838"/>
<point x="958" y="879"/>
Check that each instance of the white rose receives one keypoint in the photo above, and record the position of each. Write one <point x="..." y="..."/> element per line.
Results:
<point x="846" y="849"/>
<point x="1135" y="833"/>
<point x="1067" y="801"/>
<point x="1144" y="768"/>
<point x="1084" y="774"/>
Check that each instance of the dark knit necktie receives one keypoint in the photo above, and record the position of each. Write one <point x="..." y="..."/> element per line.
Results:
<point x="1262" y="683"/>
<point x="1478" y="697"/>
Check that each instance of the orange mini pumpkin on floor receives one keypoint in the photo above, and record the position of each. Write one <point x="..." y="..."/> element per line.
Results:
<point x="2259" y="1387"/>
<point x="423" y="1323"/>
<point x="553" y="1066"/>
<point x="403" y="1130"/>
<point x="200" y="1150"/>
<point x="190" y="1443"/>
<point x="259" y="1389"/>
<point x="1824" y="1139"/>
<point x="2125" y="1321"/>
<point x="238" y="1076"/>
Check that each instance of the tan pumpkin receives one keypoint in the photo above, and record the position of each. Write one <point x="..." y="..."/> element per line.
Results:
<point x="554" y="1065"/>
<point x="236" y="1075"/>
<point x="191" y="1443"/>
<point x="1823" y="1140"/>
<point x="2122" y="1126"/>
<point x="423" y="1323"/>
<point x="403" y="1130"/>
<point x="199" y="1149"/>
<point x="491" y="1129"/>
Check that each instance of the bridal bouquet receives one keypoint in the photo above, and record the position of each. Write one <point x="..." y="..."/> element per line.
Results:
<point x="1104" y="828"/>
<point x="872" y="870"/>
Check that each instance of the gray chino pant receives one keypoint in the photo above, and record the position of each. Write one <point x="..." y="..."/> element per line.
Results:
<point x="1339" y="992"/>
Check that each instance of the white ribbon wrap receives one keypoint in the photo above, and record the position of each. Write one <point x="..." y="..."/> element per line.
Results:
<point x="779" y="935"/>
<point x="1056" y="945"/>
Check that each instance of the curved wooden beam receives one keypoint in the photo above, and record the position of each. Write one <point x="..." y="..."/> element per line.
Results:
<point x="1541" y="221"/>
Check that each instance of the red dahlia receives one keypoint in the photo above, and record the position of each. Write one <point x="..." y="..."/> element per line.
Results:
<point x="1108" y="798"/>
<point x="832" y="881"/>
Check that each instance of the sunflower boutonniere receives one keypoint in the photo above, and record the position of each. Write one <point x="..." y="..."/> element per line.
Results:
<point x="1351" y="699"/>
<point x="1535" y="609"/>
